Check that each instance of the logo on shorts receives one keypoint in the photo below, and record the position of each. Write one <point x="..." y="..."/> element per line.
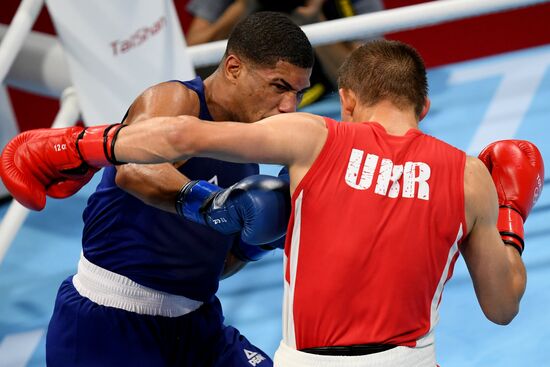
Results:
<point x="254" y="358"/>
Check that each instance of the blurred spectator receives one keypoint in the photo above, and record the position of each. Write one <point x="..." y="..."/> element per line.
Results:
<point x="214" y="19"/>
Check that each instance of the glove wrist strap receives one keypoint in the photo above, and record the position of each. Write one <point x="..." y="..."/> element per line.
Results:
<point x="191" y="199"/>
<point x="96" y="145"/>
<point x="510" y="226"/>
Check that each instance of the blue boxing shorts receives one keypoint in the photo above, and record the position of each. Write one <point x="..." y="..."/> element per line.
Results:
<point x="83" y="333"/>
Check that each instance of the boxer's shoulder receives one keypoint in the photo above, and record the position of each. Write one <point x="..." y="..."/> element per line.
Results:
<point x="170" y="98"/>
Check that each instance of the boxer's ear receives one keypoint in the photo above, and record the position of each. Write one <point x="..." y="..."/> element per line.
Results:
<point x="425" y="109"/>
<point x="348" y="101"/>
<point x="232" y="67"/>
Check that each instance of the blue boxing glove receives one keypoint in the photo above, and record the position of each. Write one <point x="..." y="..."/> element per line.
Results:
<point x="246" y="252"/>
<point x="257" y="206"/>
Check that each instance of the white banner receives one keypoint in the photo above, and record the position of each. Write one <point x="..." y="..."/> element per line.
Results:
<point x="117" y="48"/>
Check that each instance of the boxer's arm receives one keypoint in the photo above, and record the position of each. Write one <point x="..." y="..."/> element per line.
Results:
<point x="497" y="271"/>
<point x="157" y="185"/>
<point x="293" y="139"/>
<point x="37" y="159"/>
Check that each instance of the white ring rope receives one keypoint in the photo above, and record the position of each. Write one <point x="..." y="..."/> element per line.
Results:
<point x="363" y="26"/>
<point x="40" y="66"/>
<point x="68" y="115"/>
<point x="22" y="22"/>
<point x="46" y="71"/>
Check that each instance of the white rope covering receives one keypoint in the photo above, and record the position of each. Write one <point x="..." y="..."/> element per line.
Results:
<point x="20" y="26"/>
<point x="363" y="26"/>
<point x="12" y="221"/>
<point x="40" y="66"/>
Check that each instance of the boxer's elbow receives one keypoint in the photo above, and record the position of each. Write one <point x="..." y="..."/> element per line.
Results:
<point x="505" y="302"/>
<point x="501" y="312"/>
<point x="503" y="317"/>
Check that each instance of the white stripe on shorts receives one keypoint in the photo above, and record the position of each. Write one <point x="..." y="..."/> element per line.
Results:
<point x="114" y="290"/>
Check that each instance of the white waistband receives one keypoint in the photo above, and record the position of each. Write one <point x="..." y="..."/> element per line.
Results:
<point x="114" y="290"/>
<point x="286" y="356"/>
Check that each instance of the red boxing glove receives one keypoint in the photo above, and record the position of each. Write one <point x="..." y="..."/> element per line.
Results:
<point x="56" y="162"/>
<point x="517" y="169"/>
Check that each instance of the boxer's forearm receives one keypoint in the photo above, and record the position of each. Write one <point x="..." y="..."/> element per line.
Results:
<point x="167" y="139"/>
<point x="155" y="140"/>
<point x="282" y="139"/>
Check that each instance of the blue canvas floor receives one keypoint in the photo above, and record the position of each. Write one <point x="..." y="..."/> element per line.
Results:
<point x="473" y="103"/>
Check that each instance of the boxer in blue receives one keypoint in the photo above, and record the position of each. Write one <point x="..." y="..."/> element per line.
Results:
<point x="145" y="290"/>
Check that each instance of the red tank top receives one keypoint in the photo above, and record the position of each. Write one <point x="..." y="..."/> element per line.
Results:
<point x="372" y="238"/>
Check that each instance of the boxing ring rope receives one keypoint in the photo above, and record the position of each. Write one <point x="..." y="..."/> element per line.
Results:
<point x="68" y="115"/>
<point x="12" y="42"/>
<point x="47" y="57"/>
<point x="373" y="24"/>
<point x="47" y="74"/>
<point x="40" y="66"/>
<point x="21" y="25"/>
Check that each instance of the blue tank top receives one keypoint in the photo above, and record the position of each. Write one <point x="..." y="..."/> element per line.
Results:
<point x="155" y="248"/>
